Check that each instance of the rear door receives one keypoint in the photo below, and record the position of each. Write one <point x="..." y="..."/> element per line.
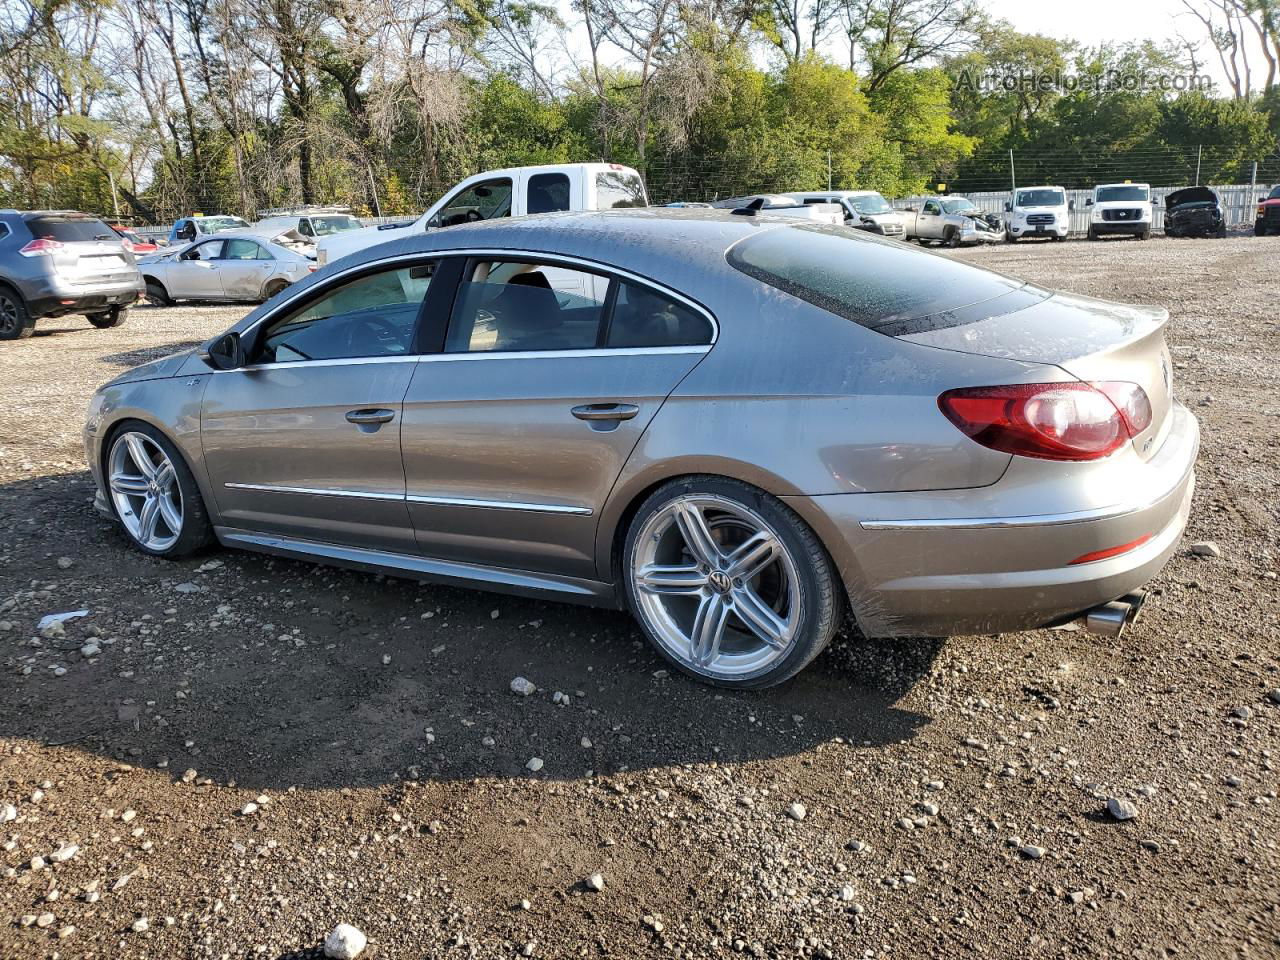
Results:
<point x="243" y="268"/>
<point x="304" y="441"/>
<point x="517" y="428"/>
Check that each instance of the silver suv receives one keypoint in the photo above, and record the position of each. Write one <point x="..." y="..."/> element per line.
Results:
<point x="55" y="262"/>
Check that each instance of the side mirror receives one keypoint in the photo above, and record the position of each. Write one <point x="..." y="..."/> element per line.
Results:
<point x="1262" y="199"/>
<point x="1008" y="207"/>
<point x="1089" y="202"/>
<point x="225" y="353"/>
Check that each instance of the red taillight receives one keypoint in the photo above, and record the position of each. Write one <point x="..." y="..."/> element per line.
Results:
<point x="1050" y="421"/>
<point x="1110" y="552"/>
<point x="40" y="246"/>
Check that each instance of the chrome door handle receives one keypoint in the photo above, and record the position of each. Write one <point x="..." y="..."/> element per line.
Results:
<point x="361" y="417"/>
<point x="605" y="411"/>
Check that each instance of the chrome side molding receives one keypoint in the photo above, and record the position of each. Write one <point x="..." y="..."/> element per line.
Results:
<point x="557" y="508"/>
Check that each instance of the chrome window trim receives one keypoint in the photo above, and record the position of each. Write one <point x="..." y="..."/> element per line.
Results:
<point x="551" y="258"/>
<point x="557" y="508"/>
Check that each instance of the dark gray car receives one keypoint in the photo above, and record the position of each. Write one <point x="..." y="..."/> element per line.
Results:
<point x="55" y="262"/>
<point x="739" y="428"/>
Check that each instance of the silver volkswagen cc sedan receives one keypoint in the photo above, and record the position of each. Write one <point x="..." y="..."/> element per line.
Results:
<point x="740" y="429"/>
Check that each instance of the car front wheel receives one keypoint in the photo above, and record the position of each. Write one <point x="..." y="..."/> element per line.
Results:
<point x="154" y="494"/>
<point x="728" y="583"/>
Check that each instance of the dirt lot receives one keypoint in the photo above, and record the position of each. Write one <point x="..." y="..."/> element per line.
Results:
<point x="371" y="722"/>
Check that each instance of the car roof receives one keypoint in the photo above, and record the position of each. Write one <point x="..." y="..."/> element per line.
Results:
<point x="1101" y="185"/>
<point x="1043" y="186"/>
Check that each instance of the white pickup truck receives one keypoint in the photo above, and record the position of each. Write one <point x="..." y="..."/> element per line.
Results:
<point x="951" y="220"/>
<point x="512" y="192"/>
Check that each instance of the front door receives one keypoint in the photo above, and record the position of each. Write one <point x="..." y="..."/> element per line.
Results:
<point x="515" y="432"/>
<point x="304" y="441"/>
<point x="194" y="274"/>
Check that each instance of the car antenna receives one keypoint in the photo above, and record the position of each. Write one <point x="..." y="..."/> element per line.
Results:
<point x="751" y="209"/>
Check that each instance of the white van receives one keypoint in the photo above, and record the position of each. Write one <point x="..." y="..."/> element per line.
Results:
<point x="1037" y="212"/>
<point x="862" y="210"/>
<point x="1123" y="208"/>
<point x="512" y="192"/>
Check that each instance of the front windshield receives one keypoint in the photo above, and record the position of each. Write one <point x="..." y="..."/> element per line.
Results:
<point x="327" y="226"/>
<point x="959" y="205"/>
<point x="218" y="224"/>
<point x="1275" y="193"/>
<point x="1126" y="192"/>
<point x="871" y="204"/>
<point x="1040" y="198"/>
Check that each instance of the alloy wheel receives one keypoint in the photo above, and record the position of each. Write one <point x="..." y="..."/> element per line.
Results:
<point x="145" y="490"/>
<point x="717" y="586"/>
<point x="8" y="315"/>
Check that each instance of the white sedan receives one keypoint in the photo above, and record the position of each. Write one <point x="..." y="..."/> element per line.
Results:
<point x="231" y="266"/>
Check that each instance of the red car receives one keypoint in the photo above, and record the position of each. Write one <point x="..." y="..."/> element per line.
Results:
<point x="1268" y="214"/>
<point x="136" y="243"/>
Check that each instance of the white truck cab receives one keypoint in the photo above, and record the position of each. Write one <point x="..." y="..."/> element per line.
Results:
<point x="1123" y="208"/>
<point x="512" y="192"/>
<point x="863" y="210"/>
<point x="1037" y="212"/>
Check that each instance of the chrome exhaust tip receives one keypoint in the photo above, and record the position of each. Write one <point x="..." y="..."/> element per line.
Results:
<point x="1109" y="619"/>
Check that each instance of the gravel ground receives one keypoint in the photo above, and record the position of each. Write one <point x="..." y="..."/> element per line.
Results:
<point x="251" y="751"/>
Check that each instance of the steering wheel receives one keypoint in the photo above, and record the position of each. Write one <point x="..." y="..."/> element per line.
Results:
<point x="370" y="331"/>
<point x="473" y="216"/>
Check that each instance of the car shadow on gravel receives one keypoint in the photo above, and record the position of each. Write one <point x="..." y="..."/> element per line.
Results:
<point x="131" y="358"/>
<point x="274" y="673"/>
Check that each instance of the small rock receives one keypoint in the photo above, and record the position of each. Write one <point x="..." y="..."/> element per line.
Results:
<point x="1121" y="809"/>
<point x="595" y="882"/>
<point x="906" y="823"/>
<point x="188" y="587"/>
<point x="1244" y="713"/>
<point x="8" y="813"/>
<point x="847" y="893"/>
<point x="344" y="942"/>
<point x="386" y="659"/>
<point x="65" y="563"/>
<point x="141" y="925"/>
<point x="534" y="764"/>
<point x="928" y="809"/>
<point x="494" y="614"/>
<point x="1152" y="845"/>
<point x="90" y="650"/>
<point x="64" y="853"/>
<point x="522" y="686"/>
<point x="797" y="811"/>
<point x="585" y="743"/>
<point x="66" y="931"/>
<point x="1032" y="852"/>
<point x="249" y="809"/>
<point x="45" y="920"/>
<point x="1206" y="548"/>
<point x="1274" y="695"/>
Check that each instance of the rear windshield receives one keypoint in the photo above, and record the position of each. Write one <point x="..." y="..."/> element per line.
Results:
<point x="619" y="188"/>
<point x="870" y="281"/>
<point x="69" y="229"/>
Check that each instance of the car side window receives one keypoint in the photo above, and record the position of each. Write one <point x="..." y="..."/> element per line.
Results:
<point x="482" y="201"/>
<point x="548" y="193"/>
<point x="933" y="207"/>
<point x="304" y="228"/>
<point x="526" y="306"/>
<point x="374" y="315"/>
<point x="209" y="250"/>
<point x="645" y="318"/>
<point x="241" y="249"/>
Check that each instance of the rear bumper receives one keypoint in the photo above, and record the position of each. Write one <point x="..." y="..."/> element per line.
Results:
<point x="985" y="561"/>
<point x="57" y="299"/>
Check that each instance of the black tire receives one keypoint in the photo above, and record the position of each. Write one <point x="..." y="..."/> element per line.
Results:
<point x="1059" y="238"/>
<point x="952" y="237"/>
<point x="16" y="322"/>
<point x="821" y="596"/>
<point x="157" y="295"/>
<point x="114" y="317"/>
<point x="197" y="531"/>
<point x="1222" y="232"/>
<point x="1009" y="237"/>
<point x="1144" y="235"/>
<point x="274" y="287"/>
<point x="1093" y="235"/>
<point x="1259" y="230"/>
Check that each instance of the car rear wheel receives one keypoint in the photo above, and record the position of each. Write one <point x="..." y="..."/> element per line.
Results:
<point x="728" y="583"/>
<point x="272" y="288"/>
<point x="157" y="295"/>
<point x="114" y="317"/>
<point x="154" y="494"/>
<point x="15" y="322"/>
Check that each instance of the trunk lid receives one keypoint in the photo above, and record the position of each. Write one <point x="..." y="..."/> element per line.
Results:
<point x="90" y="252"/>
<point x="1090" y="339"/>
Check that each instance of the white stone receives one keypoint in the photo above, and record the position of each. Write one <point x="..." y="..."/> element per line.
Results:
<point x="797" y="811"/>
<point x="534" y="764"/>
<point x="249" y="809"/>
<point x="1121" y="809"/>
<point x="595" y="882"/>
<point x="522" y="686"/>
<point x="141" y="925"/>
<point x="64" y="853"/>
<point x="344" y="942"/>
